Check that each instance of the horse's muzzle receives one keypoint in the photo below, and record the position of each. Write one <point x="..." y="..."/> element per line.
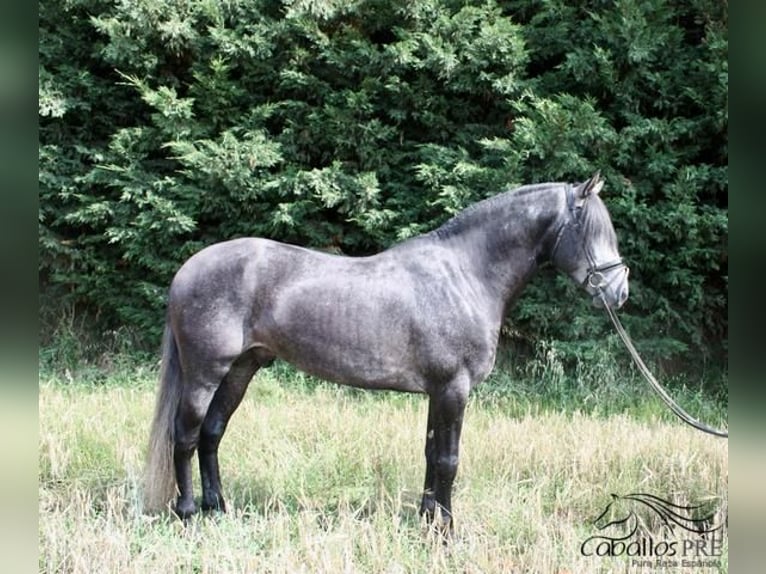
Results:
<point x="613" y="297"/>
<point x="608" y="284"/>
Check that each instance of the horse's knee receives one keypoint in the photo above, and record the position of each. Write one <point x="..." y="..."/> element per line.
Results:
<point x="430" y="449"/>
<point x="446" y="467"/>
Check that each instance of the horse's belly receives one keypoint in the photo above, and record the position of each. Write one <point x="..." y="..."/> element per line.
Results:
<point x="364" y="373"/>
<point x="363" y="342"/>
<point x="363" y="361"/>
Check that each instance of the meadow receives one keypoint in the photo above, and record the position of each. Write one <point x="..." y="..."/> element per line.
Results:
<point x="320" y="478"/>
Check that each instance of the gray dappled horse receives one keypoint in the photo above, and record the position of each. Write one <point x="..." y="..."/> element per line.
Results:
<point x="423" y="316"/>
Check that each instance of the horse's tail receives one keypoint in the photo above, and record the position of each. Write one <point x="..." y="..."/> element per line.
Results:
<point x="159" y="475"/>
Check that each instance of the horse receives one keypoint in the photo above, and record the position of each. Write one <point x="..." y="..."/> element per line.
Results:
<point x="422" y="316"/>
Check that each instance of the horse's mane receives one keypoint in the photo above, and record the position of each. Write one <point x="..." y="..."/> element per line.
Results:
<point x="595" y="220"/>
<point x="468" y="217"/>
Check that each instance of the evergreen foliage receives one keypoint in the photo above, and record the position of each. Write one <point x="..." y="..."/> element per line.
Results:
<point x="166" y="126"/>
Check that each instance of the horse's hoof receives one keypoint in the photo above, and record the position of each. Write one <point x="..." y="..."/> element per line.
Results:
<point x="185" y="510"/>
<point x="217" y="505"/>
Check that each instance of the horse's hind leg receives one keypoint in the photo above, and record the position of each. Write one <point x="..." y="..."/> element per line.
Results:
<point x="191" y="412"/>
<point x="225" y="401"/>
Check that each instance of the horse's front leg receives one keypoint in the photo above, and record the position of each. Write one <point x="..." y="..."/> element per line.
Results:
<point x="428" y="504"/>
<point x="445" y="421"/>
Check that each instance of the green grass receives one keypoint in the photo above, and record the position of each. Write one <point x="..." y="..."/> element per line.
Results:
<point x="322" y="478"/>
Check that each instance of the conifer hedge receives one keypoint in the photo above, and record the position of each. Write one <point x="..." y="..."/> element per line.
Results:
<point x="351" y="125"/>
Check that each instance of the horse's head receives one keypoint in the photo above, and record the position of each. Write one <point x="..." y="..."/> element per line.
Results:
<point x="586" y="246"/>
<point x="615" y="515"/>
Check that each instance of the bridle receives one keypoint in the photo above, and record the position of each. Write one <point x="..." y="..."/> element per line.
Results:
<point x="596" y="281"/>
<point x="595" y="277"/>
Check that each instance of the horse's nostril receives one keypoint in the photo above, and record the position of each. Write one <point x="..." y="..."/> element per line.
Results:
<point x="623" y="295"/>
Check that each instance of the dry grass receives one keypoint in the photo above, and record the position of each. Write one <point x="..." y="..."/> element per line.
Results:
<point x="329" y="481"/>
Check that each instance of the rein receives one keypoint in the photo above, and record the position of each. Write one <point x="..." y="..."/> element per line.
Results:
<point x="595" y="279"/>
<point x="667" y="399"/>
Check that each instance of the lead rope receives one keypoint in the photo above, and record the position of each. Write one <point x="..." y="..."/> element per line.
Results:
<point x="677" y="410"/>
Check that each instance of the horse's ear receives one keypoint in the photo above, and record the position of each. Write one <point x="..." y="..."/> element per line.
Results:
<point x="587" y="188"/>
<point x="591" y="187"/>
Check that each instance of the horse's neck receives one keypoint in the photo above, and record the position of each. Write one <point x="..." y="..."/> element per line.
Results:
<point x="505" y="249"/>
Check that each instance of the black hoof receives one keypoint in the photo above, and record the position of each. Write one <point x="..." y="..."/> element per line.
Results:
<point x="185" y="509"/>
<point x="438" y="518"/>
<point x="216" y="505"/>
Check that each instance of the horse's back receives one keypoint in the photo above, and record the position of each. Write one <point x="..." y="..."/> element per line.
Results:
<point x="235" y="268"/>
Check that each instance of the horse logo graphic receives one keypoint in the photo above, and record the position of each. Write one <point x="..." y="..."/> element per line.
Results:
<point x="625" y="512"/>
<point x="641" y="524"/>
